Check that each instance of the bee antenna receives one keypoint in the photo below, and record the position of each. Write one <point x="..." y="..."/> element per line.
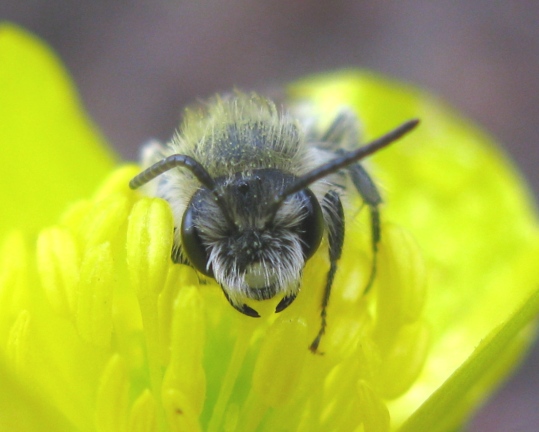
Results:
<point x="341" y="162"/>
<point x="169" y="163"/>
<point x="178" y="160"/>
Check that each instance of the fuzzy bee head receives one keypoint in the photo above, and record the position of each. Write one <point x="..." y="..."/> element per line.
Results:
<point x="252" y="249"/>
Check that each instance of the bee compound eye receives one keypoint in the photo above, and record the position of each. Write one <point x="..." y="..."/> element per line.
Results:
<point x="192" y="244"/>
<point x="312" y="226"/>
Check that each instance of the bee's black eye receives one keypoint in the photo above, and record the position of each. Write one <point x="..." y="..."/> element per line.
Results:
<point x="312" y="226"/>
<point x="192" y="244"/>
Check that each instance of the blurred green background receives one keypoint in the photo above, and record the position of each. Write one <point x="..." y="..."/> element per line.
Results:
<point x="137" y="64"/>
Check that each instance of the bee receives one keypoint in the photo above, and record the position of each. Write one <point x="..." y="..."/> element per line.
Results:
<point x="253" y="189"/>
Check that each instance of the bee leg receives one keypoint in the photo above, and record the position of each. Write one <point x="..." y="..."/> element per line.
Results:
<point x="177" y="256"/>
<point x="335" y="212"/>
<point x="344" y="132"/>
<point x="369" y="192"/>
<point x="244" y="309"/>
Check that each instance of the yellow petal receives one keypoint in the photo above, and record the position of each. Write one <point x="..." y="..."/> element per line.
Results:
<point x="24" y="410"/>
<point x="447" y="407"/>
<point x="453" y="189"/>
<point x="52" y="153"/>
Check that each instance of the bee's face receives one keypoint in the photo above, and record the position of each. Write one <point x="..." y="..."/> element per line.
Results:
<point x="251" y="250"/>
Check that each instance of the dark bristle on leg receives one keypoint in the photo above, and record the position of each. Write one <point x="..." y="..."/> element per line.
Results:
<point x="369" y="192"/>
<point x="335" y="240"/>
<point x="375" y="239"/>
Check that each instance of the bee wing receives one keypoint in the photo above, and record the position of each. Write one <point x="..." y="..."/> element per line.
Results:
<point x="343" y="132"/>
<point x="151" y="152"/>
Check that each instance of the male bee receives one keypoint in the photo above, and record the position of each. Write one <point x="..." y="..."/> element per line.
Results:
<point x="253" y="189"/>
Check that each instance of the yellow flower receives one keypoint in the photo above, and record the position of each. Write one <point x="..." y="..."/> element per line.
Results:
<point x="99" y="331"/>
